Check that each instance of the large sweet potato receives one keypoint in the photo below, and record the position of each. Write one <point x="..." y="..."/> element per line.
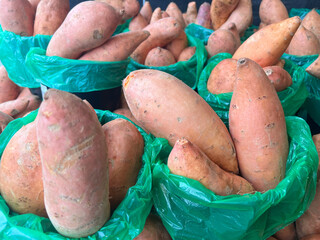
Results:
<point x="314" y="68"/>
<point x="168" y="108"/>
<point x="14" y="107"/>
<point x="8" y="89"/>
<point x="257" y="126"/>
<point x="138" y="23"/>
<point x="73" y="153"/>
<point x="220" y="11"/>
<point x="272" y="11"/>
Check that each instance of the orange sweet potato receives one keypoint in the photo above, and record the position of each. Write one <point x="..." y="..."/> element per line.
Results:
<point x="156" y="15"/>
<point x="162" y="32"/>
<point x="267" y="45"/>
<point x="125" y="148"/>
<point x="165" y="115"/>
<point x="312" y="22"/>
<point x="277" y="9"/>
<point x="203" y="17"/>
<point x="8" y="89"/>
<point x="49" y="16"/>
<point x="220" y="11"/>
<point x="4" y="120"/>
<point x="72" y="39"/>
<point x="138" y="23"/>
<point x="20" y="173"/>
<point x="261" y="140"/>
<point x="146" y="11"/>
<point x="178" y="44"/>
<point x="17" y="16"/>
<point x="174" y="11"/>
<point x="73" y="153"/>
<point x="221" y="41"/>
<point x="279" y="77"/>
<point x="191" y="13"/>
<point x="159" y="57"/>
<point x="186" y="54"/>
<point x="287" y="233"/>
<point x="118" y="47"/>
<point x="314" y="68"/>
<point x="222" y="77"/>
<point x="187" y="160"/>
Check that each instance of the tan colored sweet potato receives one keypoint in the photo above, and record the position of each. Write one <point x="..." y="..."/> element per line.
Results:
<point x="162" y="32"/>
<point x="203" y="17"/>
<point x="138" y="23"/>
<point x="4" y="120"/>
<point x="312" y="22"/>
<point x="174" y="11"/>
<point x="14" y="107"/>
<point x="171" y="110"/>
<point x="221" y="41"/>
<point x="17" y="16"/>
<point x="279" y="77"/>
<point x="191" y="13"/>
<point x="241" y="16"/>
<point x="177" y="45"/>
<point x="156" y="15"/>
<point x="261" y="140"/>
<point x="304" y="42"/>
<point x="125" y="148"/>
<point x="20" y="173"/>
<point x="222" y="77"/>
<point x="287" y="233"/>
<point x="267" y="45"/>
<point x="159" y="57"/>
<point x="118" y="47"/>
<point x="146" y="11"/>
<point x="8" y="89"/>
<point x="82" y="30"/>
<point x="73" y="153"/>
<point x="272" y="11"/>
<point x="187" y="53"/>
<point x="220" y="11"/>
<point x="314" y="68"/>
<point x="153" y="230"/>
<point x="187" y="160"/>
<point x="49" y="16"/>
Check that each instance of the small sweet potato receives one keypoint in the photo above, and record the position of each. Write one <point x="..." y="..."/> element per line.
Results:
<point x="34" y="103"/>
<point x="125" y="148"/>
<point x="279" y="77"/>
<point x="177" y="45"/>
<point x="4" y="120"/>
<point x="146" y="11"/>
<point x="156" y="15"/>
<point x="138" y="23"/>
<point x="21" y="174"/>
<point x="187" y="53"/>
<point x="8" y="89"/>
<point x="276" y="7"/>
<point x="312" y="22"/>
<point x="174" y="11"/>
<point x="14" y="107"/>
<point x="314" y="68"/>
<point x="159" y="57"/>
<point x="221" y="41"/>
<point x="220" y="11"/>
<point x="203" y="17"/>
<point x="49" y="16"/>
<point x="191" y="13"/>
<point x="287" y="233"/>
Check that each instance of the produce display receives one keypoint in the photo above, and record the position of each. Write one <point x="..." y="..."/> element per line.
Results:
<point x="120" y="121"/>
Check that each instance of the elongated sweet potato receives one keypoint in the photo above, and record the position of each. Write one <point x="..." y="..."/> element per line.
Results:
<point x="118" y="47"/>
<point x="287" y="233"/>
<point x="312" y="22"/>
<point x="17" y="16"/>
<point x="14" y="107"/>
<point x="138" y="23"/>
<point x="162" y="32"/>
<point x="272" y="11"/>
<point x="221" y="41"/>
<point x="34" y="102"/>
<point x="191" y="13"/>
<point x="314" y="68"/>
<point x="267" y="45"/>
<point x="4" y="120"/>
<point x="8" y="89"/>
<point x="125" y="148"/>
<point x="187" y="160"/>
<point x="20" y="173"/>
<point x="146" y="11"/>
<point x="73" y="153"/>
<point x="174" y="11"/>
<point x="220" y="11"/>
<point x="49" y="16"/>
<point x="178" y="44"/>
<point x="172" y="110"/>
<point x="261" y="140"/>
<point x="279" y="77"/>
<point x="203" y="17"/>
<point x="159" y="57"/>
<point x="187" y="53"/>
<point x="82" y="30"/>
<point x="222" y="77"/>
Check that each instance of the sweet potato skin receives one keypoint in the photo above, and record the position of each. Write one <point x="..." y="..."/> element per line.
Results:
<point x="287" y="233"/>
<point x="312" y="22"/>
<point x="203" y="16"/>
<point x="220" y="11"/>
<point x="174" y="11"/>
<point x="220" y="41"/>
<point x="279" y="77"/>
<point x="146" y="11"/>
<point x="4" y="120"/>
<point x="261" y="140"/>
<point x="138" y="23"/>
<point x="276" y="7"/>
<point x="178" y="44"/>
<point x="8" y="89"/>
<point x="179" y="116"/>
<point x="159" y="57"/>
<point x="73" y="153"/>
<point x="21" y="174"/>
<point x="314" y="68"/>
<point x="187" y="53"/>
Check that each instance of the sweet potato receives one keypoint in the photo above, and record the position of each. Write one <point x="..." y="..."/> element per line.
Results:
<point x="314" y="68"/>
<point x="73" y="153"/>
<point x="279" y="77"/>
<point x="222" y="77"/>
<point x="304" y="42"/>
<point x="187" y="53"/>
<point x="14" y="107"/>
<point x="8" y="89"/>
<point x="118" y="47"/>
<point x="267" y="45"/>
<point x="203" y="17"/>
<point x="49" y="16"/>
<point x="164" y="14"/>
<point x="162" y="32"/>
<point x="20" y="173"/>
<point x="220" y="11"/>
<point x="125" y="148"/>
<point x="191" y="13"/>
<point x="146" y="11"/>
<point x="138" y="23"/>
<point x="277" y="9"/>
<point x="241" y="16"/>
<point x="34" y="4"/>
<point x="187" y="160"/>
<point x="33" y="104"/>
<point x="312" y="22"/>
<point x="156" y="15"/>
<point x="171" y="110"/>
<point x="287" y="233"/>
<point x="177" y="45"/>
<point x="153" y="230"/>
<point x="233" y="29"/>
<point x="17" y="16"/>
<point x="261" y="140"/>
<point x="311" y="237"/>
<point x="159" y="57"/>
<point x="82" y="30"/>
<point x="4" y="120"/>
<point x="174" y="11"/>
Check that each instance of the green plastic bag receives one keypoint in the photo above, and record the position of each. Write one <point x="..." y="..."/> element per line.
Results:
<point x="187" y="71"/>
<point x="13" y="51"/>
<point x="291" y="98"/>
<point x="126" y="222"/>
<point x="190" y="211"/>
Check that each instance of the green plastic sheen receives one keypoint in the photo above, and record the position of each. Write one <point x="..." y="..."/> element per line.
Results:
<point x="187" y="71"/>
<point x="190" y="211"/>
<point x="126" y="222"/>
<point x="291" y="98"/>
